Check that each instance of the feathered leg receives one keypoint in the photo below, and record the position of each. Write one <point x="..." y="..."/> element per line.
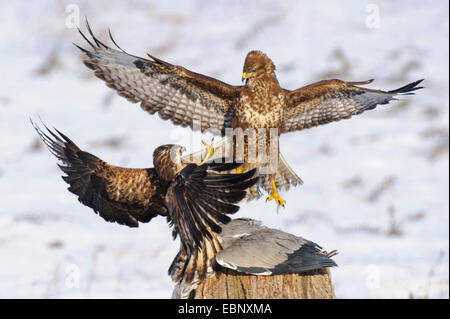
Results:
<point x="275" y="195"/>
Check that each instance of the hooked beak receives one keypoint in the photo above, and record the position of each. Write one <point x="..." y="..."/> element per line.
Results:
<point x="246" y="76"/>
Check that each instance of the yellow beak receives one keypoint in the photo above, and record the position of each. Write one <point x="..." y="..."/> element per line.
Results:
<point x="246" y="75"/>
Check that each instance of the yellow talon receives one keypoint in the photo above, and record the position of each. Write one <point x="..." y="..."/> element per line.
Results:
<point x="210" y="149"/>
<point x="239" y="170"/>
<point x="280" y="201"/>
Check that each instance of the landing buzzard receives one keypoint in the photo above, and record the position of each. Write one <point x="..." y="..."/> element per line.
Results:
<point x="193" y="198"/>
<point x="204" y="103"/>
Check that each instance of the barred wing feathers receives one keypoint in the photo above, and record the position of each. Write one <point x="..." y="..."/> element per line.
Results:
<point x="123" y="195"/>
<point x="202" y="196"/>
<point x="186" y="98"/>
<point x="332" y="100"/>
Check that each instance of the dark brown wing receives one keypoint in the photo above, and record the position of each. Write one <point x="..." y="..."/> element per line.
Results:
<point x="200" y="197"/>
<point x="175" y="93"/>
<point x="208" y="199"/>
<point x="333" y="100"/>
<point x="122" y="195"/>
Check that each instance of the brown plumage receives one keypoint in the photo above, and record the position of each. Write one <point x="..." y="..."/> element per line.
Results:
<point x="203" y="103"/>
<point x="195" y="198"/>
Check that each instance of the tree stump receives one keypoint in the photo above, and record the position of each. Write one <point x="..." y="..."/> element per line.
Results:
<point x="230" y="284"/>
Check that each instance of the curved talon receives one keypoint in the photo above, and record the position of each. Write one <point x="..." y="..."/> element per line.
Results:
<point x="210" y="152"/>
<point x="275" y="195"/>
<point x="280" y="201"/>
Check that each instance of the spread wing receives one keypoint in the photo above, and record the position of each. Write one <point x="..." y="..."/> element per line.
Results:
<point x="200" y="197"/>
<point x="333" y="100"/>
<point x="122" y="195"/>
<point x="175" y="93"/>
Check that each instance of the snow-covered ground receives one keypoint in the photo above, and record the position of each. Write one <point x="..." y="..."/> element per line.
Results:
<point x="376" y="186"/>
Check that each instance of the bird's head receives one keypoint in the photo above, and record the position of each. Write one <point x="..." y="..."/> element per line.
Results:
<point x="167" y="160"/>
<point x="257" y="64"/>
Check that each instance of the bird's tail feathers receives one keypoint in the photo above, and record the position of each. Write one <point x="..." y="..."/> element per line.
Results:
<point x="285" y="177"/>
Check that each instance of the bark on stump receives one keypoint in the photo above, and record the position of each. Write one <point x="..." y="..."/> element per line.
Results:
<point x="230" y="284"/>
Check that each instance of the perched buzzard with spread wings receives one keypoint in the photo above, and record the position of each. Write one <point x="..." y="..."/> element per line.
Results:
<point x="194" y="198"/>
<point x="204" y="103"/>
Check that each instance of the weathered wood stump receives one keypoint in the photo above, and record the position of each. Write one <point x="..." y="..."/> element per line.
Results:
<point x="229" y="284"/>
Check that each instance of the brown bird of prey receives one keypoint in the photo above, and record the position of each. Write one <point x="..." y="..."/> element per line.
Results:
<point x="194" y="198"/>
<point x="204" y="103"/>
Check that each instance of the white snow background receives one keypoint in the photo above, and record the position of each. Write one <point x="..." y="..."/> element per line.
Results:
<point x="376" y="186"/>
